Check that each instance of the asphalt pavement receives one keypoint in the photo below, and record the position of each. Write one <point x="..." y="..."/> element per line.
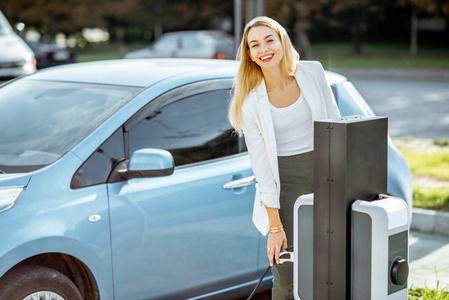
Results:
<point x="416" y="102"/>
<point x="429" y="260"/>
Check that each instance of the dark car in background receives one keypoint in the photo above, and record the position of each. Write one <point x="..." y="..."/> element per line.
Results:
<point x="189" y="44"/>
<point x="51" y="54"/>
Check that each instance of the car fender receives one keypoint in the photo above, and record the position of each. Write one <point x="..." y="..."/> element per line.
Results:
<point x="97" y="262"/>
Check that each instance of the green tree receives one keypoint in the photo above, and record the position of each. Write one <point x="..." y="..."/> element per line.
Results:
<point x="437" y="8"/>
<point x="50" y="17"/>
<point x="298" y="15"/>
<point x="356" y="12"/>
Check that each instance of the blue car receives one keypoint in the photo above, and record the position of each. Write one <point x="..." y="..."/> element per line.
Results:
<point x="124" y="180"/>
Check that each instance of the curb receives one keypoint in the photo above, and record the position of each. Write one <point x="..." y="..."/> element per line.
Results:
<point x="430" y="221"/>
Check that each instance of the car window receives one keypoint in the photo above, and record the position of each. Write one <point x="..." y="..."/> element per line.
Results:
<point x="166" y="43"/>
<point x="190" y="42"/>
<point x="193" y="129"/>
<point x="97" y="168"/>
<point x="5" y="28"/>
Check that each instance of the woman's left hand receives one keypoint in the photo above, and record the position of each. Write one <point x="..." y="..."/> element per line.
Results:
<point x="276" y="242"/>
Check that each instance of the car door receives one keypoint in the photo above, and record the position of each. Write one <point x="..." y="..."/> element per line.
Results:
<point x="184" y="234"/>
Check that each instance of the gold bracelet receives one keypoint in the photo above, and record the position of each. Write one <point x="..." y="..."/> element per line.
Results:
<point x="276" y="229"/>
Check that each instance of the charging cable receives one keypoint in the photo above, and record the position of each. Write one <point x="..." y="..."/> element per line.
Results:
<point x="286" y="256"/>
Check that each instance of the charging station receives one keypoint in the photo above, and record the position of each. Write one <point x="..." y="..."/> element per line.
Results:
<point x="351" y="239"/>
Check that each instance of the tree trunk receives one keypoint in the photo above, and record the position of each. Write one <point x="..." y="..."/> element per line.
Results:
<point x="120" y="34"/>
<point x="414" y="33"/>
<point x="356" y="31"/>
<point x="303" y="44"/>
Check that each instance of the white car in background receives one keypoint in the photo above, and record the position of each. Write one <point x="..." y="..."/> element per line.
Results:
<point x="189" y="44"/>
<point x="16" y="58"/>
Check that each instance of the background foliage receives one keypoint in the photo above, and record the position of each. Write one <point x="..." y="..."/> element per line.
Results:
<point x="318" y="20"/>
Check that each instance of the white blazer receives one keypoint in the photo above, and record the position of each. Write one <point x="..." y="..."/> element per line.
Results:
<point x="258" y="130"/>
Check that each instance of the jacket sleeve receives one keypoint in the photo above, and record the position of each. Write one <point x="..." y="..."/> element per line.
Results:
<point x="329" y="100"/>
<point x="266" y="186"/>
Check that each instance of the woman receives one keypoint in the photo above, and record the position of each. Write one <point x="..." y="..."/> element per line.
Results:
<point x="276" y="99"/>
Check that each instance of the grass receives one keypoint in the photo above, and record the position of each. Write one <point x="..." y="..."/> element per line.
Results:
<point x="429" y="162"/>
<point x="331" y="55"/>
<point x="436" y="198"/>
<point x="439" y="293"/>
<point x="105" y="51"/>
<point x="399" y="62"/>
<point x="428" y="294"/>
<point x="379" y="55"/>
<point x="433" y="164"/>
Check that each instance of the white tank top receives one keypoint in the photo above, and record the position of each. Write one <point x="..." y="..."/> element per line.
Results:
<point x="293" y="128"/>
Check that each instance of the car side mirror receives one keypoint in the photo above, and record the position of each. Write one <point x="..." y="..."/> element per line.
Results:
<point x="149" y="163"/>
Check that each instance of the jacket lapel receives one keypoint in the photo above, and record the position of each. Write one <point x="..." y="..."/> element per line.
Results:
<point x="264" y="105"/>
<point x="267" y="126"/>
<point x="304" y="84"/>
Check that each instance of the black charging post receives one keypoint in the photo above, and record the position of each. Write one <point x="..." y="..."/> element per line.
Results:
<point x="350" y="157"/>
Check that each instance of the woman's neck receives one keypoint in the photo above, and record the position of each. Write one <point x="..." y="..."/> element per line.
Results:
<point x="275" y="80"/>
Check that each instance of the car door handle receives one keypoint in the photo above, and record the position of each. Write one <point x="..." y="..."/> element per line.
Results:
<point x="240" y="183"/>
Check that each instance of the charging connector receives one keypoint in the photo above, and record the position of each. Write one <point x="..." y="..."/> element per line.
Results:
<point x="286" y="256"/>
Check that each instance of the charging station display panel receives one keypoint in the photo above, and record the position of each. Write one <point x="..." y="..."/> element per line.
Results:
<point x="397" y="262"/>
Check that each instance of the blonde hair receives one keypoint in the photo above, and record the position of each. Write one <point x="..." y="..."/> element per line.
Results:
<point x="249" y="74"/>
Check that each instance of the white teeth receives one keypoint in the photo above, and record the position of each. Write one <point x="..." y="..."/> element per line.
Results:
<point x="266" y="57"/>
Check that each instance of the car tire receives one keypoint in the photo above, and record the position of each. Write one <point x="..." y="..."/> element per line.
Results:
<point x="36" y="282"/>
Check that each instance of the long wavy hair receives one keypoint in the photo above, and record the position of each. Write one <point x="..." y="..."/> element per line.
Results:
<point x="250" y="75"/>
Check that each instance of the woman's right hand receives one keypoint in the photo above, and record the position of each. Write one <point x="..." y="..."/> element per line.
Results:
<point x="276" y="242"/>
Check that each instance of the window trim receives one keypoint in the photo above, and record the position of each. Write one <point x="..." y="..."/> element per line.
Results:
<point x="177" y="94"/>
<point x="213" y="160"/>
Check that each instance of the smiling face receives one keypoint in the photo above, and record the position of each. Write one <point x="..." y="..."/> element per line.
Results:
<point x="264" y="47"/>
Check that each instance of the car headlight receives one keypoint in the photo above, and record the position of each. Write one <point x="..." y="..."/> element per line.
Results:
<point x="9" y="197"/>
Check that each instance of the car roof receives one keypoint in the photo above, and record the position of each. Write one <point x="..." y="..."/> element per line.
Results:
<point x="136" y="72"/>
<point x="146" y="72"/>
<point x="335" y="78"/>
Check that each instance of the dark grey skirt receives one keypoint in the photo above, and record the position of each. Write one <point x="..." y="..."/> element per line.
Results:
<point x="296" y="176"/>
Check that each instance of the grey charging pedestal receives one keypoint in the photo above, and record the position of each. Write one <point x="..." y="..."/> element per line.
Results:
<point x="350" y="243"/>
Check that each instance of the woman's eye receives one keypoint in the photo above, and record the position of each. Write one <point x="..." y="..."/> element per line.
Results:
<point x="254" y="45"/>
<point x="269" y="41"/>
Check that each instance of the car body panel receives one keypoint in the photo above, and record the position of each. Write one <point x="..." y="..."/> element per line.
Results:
<point x="187" y="220"/>
<point x="139" y="72"/>
<point x="54" y="218"/>
<point x="18" y="179"/>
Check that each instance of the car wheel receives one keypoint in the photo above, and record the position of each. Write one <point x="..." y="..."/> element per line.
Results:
<point x="37" y="282"/>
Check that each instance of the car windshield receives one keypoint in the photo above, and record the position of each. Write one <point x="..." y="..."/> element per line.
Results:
<point x="40" y="120"/>
<point x="5" y="28"/>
